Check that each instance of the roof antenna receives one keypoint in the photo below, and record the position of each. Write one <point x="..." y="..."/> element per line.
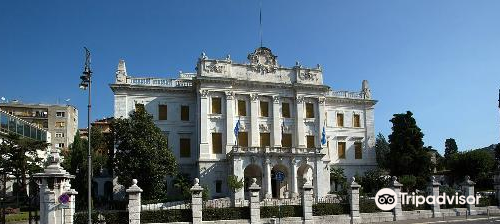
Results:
<point x="260" y="23"/>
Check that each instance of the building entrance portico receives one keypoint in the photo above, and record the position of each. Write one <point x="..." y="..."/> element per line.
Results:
<point x="295" y="165"/>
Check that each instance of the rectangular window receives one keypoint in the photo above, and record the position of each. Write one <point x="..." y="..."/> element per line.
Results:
<point x="217" y="143"/>
<point x="60" y="124"/>
<point x="309" y="110"/>
<point x="285" y="110"/>
<point x="286" y="140"/>
<point x="341" y="150"/>
<point x="218" y="186"/>
<point x="340" y="120"/>
<point x="243" y="139"/>
<point x="356" y="121"/>
<point x="358" y="150"/>
<point x="59" y="134"/>
<point x="60" y="114"/>
<point x="265" y="139"/>
<point x="184" y="113"/>
<point x="264" y="109"/>
<point x="216" y="105"/>
<point x="185" y="147"/>
<point x="162" y="112"/>
<point x="242" y="108"/>
<point x="60" y="145"/>
<point x="310" y="141"/>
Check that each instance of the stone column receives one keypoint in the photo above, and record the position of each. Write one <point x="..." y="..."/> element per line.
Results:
<point x="295" y="189"/>
<point x="267" y="176"/>
<point x="300" y="135"/>
<point x="307" y="202"/>
<point x="276" y="122"/>
<point x="134" y="203"/>
<point x="254" y="202"/>
<point x="204" y="108"/>
<point x="468" y="186"/>
<point x="496" y="184"/>
<point x="197" y="201"/>
<point x="254" y="120"/>
<point x="239" y="172"/>
<point x="433" y="189"/>
<point x="230" y="138"/>
<point x="354" y="201"/>
<point x="398" y="210"/>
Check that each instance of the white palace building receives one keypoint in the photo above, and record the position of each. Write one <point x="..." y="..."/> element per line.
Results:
<point x="290" y="123"/>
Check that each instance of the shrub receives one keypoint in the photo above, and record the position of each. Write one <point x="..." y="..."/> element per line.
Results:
<point x="368" y="206"/>
<point x="286" y="211"/>
<point x="211" y="214"/>
<point x="321" y="209"/>
<point x="164" y="216"/>
<point x="487" y="201"/>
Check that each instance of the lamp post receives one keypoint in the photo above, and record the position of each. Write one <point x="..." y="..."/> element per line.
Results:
<point x="86" y="83"/>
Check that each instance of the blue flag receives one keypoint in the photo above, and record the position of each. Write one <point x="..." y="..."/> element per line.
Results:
<point x="237" y="128"/>
<point x="323" y="136"/>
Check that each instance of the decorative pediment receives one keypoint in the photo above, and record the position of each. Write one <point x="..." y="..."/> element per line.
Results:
<point x="214" y="67"/>
<point x="308" y="75"/>
<point x="262" y="60"/>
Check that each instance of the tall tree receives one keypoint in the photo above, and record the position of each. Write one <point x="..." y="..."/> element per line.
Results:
<point x="407" y="155"/>
<point x="142" y="153"/>
<point x="450" y="148"/>
<point x="497" y="155"/>
<point x="382" y="150"/>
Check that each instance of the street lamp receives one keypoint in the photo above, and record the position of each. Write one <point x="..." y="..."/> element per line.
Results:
<point x="86" y="82"/>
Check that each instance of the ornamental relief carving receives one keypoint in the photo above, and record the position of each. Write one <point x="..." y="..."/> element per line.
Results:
<point x="230" y="95"/>
<point x="300" y="99"/>
<point x="308" y="76"/>
<point x="276" y="99"/>
<point x="264" y="128"/>
<point x="262" y="60"/>
<point x="214" y="67"/>
<point x="254" y="96"/>
<point x="204" y="93"/>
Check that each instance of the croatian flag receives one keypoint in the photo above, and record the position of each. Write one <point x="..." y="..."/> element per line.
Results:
<point x="237" y="128"/>
<point x="323" y="136"/>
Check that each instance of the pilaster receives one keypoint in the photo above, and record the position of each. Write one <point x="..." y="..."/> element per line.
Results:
<point x="230" y="138"/>
<point x="300" y="134"/>
<point x="276" y="122"/>
<point x="254" y="120"/>
<point x="204" y="107"/>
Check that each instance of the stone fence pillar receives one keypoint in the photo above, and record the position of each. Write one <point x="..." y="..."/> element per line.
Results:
<point x="433" y="190"/>
<point x="307" y="202"/>
<point x="254" y="202"/>
<point x="197" y="201"/>
<point x="134" y="203"/>
<point x="398" y="210"/>
<point x="354" y="201"/>
<point x="496" y="184"/>
<point x="468" y="186"/>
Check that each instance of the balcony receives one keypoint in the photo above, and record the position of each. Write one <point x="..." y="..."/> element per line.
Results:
<point x="275" y="150"/>
<point x="160" y="82"/>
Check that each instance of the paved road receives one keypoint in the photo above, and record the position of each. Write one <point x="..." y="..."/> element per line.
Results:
<point x="457" y="219"/>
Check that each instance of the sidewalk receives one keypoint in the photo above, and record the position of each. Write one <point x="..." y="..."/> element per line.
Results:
<point x="451" y="219"/>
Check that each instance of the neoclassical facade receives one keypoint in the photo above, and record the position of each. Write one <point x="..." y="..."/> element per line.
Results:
<point x="282" y="112"/>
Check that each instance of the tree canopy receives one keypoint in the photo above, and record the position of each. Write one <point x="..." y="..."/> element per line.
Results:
<point x="450" y="148"/>
<point x="142" y="153"/>
<point x="382" y="151"/>
<point x="407" y="155"/>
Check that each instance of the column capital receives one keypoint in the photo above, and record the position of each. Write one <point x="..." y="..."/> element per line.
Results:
<point x="395" y="183"/>
<point x="276" y="99"/>
<point x="299" y="99"/>
<point x="204" y="93"/>
<point x="321" y="100"/>
<point x="254" y="96"/>
<point x="229" y="95"/>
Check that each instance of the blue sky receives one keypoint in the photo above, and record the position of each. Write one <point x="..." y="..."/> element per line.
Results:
<point x="439" y="59"/>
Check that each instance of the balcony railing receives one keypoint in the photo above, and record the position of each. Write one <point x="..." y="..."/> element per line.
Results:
<point x="160" y="82"/>
<point x="279" y="150"/>
<point x="346" y="94"/>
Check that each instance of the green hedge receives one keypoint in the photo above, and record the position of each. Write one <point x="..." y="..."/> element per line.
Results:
<point x="111" y="217"/>
<point x="368" y="206"/>
<point x="487" y="201"/>
<point x="163" y="216"/>
<point x="286" y="211"/>
<point x="321" y="209"/>
<point x="211" y="214"/>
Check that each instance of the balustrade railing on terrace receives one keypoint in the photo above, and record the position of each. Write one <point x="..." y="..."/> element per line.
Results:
<point x="160" y="82"/>
<point x="283" y="201"/>
<point x="267" y="149"/>
<point x="346" y="94"/>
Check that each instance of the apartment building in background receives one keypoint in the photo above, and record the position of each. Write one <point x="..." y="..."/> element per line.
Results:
<point x="61" y="121"/>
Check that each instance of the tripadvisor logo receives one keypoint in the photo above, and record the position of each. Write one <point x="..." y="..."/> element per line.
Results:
<point x="386" y="199"/>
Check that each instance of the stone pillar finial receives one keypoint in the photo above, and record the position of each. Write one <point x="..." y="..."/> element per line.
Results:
<point x="197" y="201"/>
<point x="134" y="203"/>
<point x="398" y="210"/>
